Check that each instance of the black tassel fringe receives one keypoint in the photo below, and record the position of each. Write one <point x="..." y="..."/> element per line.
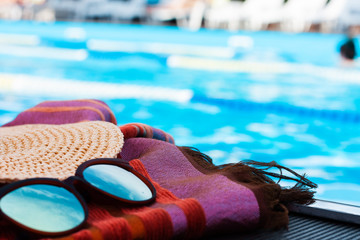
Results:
<point x="257" y="173"/>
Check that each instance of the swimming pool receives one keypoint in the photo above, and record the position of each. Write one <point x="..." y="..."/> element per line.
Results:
<point x="243" y="95"/>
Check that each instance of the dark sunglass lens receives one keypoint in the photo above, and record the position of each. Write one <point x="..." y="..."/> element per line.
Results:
<point x="117" y="181"/>
<point x="44" y="208"/>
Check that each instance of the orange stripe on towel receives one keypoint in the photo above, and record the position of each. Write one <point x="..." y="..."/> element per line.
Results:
<point x="194" y="212"/>
<point x="137" y="226"/>
<point x="157" y="223"/>
<point x="112" y="116"/>
<point x="65" y="109"/>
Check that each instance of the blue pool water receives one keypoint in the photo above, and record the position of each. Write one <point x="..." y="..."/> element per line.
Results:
<point x="234" y="95"/>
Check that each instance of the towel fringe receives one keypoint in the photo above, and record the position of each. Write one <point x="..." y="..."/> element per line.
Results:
<point x="258" y="177"/>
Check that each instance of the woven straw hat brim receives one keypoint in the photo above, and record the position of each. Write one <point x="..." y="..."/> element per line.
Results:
<point x="55" y="151"/>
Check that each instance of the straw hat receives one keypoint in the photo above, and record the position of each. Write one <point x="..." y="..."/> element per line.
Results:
<point x="55" y="151"/>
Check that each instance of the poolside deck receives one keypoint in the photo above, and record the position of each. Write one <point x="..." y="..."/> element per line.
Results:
<point x="304" y="227"/>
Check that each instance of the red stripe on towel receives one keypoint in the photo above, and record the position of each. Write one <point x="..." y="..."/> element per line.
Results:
<point x="156" y="221"/>
<point x="192" y="209"/>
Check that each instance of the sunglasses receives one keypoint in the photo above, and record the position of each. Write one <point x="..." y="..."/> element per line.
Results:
<point x="49" y="207"/>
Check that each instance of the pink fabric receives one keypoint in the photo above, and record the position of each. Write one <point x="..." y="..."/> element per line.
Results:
<point x="63" y="112"/>
<point x="227" y="205"/>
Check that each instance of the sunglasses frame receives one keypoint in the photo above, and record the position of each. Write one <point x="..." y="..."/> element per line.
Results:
<point x="75" y="185"/>
<point x="46" y="181"/>
<point x="120" y="163"/>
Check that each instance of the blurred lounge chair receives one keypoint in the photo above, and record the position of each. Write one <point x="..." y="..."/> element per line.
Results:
<point x="222" y="13"/>
<point x="339" y="15"/>
<point x="37" y="10"/>
<point x="251" y="14"/>
<point x="298" y="15"/>
<point x="68" y="9"/>
<point x="116" y="10"/>
<point x="44" y="14"/>
<point x="195" y="19"/>
<point x="10" y="10"/>
<point x="186" y="13"/>
<point x="329" y="16"/>
<point x="264" y="13"/>
<point x="351" y="15"/>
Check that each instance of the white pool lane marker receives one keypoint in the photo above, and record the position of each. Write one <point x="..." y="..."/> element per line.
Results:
<point x="335" y="74"/>
<point x="159" y="48"/>
<point x="44" y="52"/>
<point x="63" y="88"/>
<point x="19" y="39"/>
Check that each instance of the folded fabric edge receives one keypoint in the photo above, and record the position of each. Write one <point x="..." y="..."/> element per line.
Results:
<point x="271" y="197"/>
<point x="53" y="112"/>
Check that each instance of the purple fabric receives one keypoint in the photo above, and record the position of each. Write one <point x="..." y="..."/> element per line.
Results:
<point x="178" y="218"/>
<point x="63" y="112"/>
<point x="227" y="205"/>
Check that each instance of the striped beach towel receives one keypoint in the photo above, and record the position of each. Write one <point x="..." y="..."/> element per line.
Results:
<point x="195" y="198"/>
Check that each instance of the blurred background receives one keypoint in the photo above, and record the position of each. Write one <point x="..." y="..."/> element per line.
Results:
<point x="255" y="79"/>
<point x="285" y="15"/>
